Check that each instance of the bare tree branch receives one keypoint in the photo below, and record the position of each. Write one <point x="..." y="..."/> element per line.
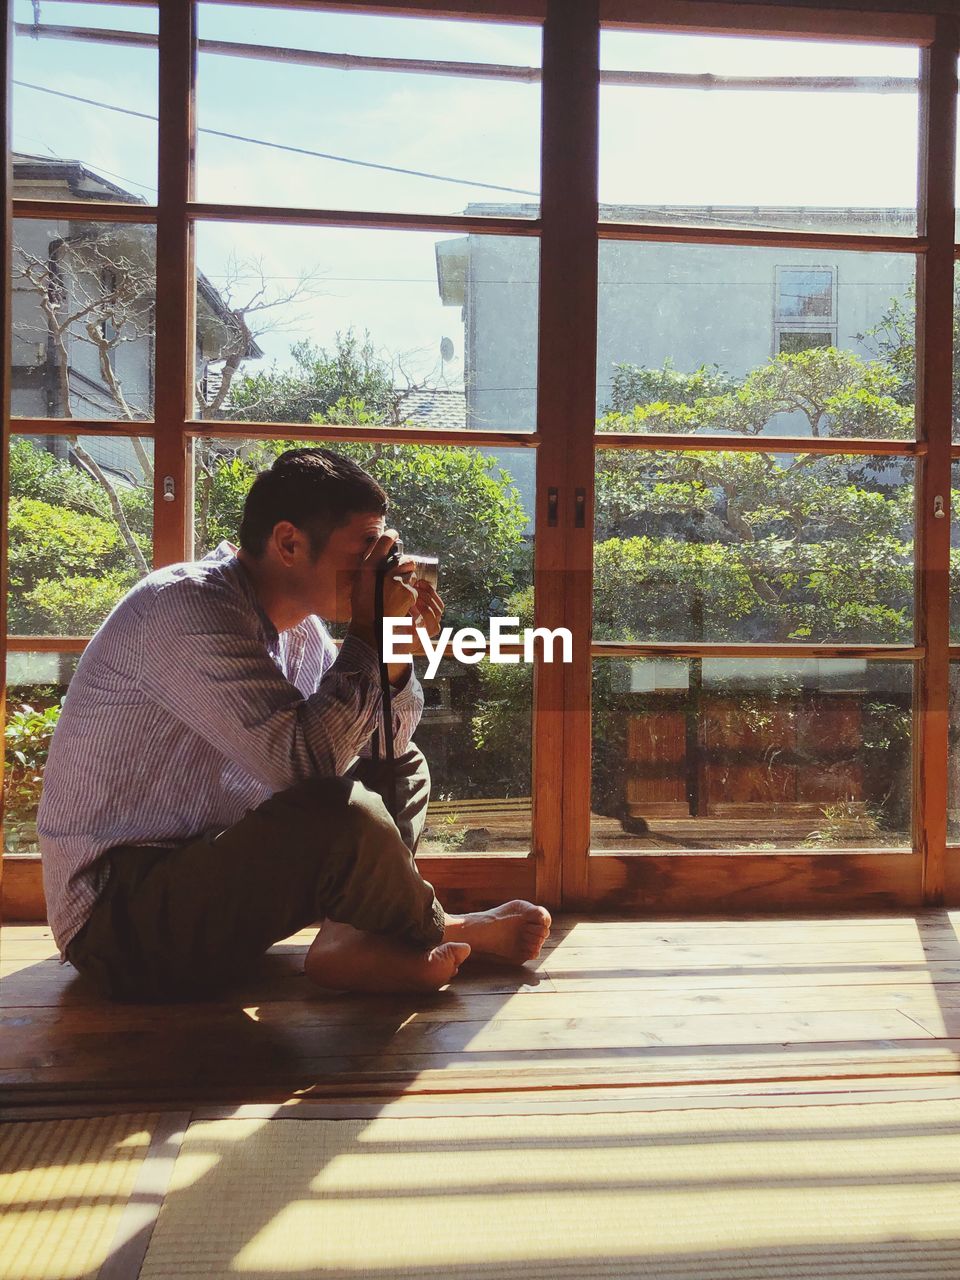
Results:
<point x="79" y="302"/>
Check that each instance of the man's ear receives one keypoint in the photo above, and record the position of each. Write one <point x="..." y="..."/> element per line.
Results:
<point x="288" y="542"/>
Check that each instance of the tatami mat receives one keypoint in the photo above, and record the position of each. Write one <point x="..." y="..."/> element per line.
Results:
<point x="834" y="1191"/>
<point x="64" y="1187"/>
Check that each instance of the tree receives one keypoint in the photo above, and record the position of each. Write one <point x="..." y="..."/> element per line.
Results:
<point x="350" y="383"/>
<point x="741" y="546"/>
<point x="93" y="300"/>
<point x="68" y="561"/>
<point x="316" y="382"/>
<point x="894" y="339"/>
<point x="93" y="293"/>
<point x="248" y="305"/>
<point x="758" y="546"/>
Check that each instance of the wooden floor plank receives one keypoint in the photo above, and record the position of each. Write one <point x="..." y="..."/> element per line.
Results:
<point x="283" y="1039"/>
<point x="423" y="1073"/>
<point x="48" y="983"/>
<point x="616" y="935"/>
<point x="788" y="956"/>
<point x="611" y="1004"/>
<point x="229" y="1053"/>
<point x="779" y="948"/>
<point x="458" y="1006"/>
<point x="652" y="1097"/>
<point x="28" y="983"/>
<point x="612" y="931"/>
<point x="585" y="980"/>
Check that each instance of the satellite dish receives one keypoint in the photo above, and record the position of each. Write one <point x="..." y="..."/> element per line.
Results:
<point x="446" y="349"/>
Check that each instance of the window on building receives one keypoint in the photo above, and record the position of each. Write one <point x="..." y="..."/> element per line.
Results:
<point x="790" y="342"/>
<point x="806" y="309"/>
<point x="804" y="293"/>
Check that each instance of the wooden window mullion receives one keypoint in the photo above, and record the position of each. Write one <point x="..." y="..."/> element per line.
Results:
<point x="565" y="421"/>
<point x="175" y="302"/>
<point x="6" y="248"/>
<point x="938" y="95"/>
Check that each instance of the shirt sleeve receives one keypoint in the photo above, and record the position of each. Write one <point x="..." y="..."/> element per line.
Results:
<point x="203" y="659"/>
<point x="406" y="703"/>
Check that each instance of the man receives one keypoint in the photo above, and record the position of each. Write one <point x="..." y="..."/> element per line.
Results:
<point x="210" y="787"/>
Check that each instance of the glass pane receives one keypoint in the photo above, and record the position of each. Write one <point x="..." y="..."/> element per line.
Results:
<point x="751" y="753"/>
<point x="462" y="506"/>
<point x="956" y="353"/>
<point x="80" y="529"/>
<point x="723" y="340"/>
<point x="358" y="111"/>
<point x="83" y="319"/>
<point x="753" y="547"/>
<point x="737" y="131"/>
<point x="36" y="683"/>
<point x="85" y="108"/>
<point x="792" y="341"/>
<point x="367" y="327"/>
<point x="805" y="293"/>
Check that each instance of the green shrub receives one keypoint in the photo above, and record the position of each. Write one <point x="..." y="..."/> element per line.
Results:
<point x="27" y="738"/>
<point x="74" y="605"/>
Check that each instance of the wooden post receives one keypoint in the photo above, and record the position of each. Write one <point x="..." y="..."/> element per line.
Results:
<point x="6" y="236"/>
<point x="566" y="422"/>
<point x="938" y="97"/>
<point x="175" y="289"/>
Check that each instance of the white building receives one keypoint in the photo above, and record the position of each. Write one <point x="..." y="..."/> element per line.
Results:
<point x="84" y="313"/>
<point x="691" y="304"/>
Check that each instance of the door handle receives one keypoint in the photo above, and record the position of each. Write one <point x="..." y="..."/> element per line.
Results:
<point x="553" y="503"/>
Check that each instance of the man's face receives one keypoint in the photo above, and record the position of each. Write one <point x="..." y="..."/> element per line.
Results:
<point x="334" y="570"/>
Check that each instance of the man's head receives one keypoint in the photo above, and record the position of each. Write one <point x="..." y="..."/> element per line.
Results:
<point x="307" y="522"/>
<point x="316" y="490"/>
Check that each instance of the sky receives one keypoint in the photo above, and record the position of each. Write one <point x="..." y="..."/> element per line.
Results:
<point x="656" y="145"/>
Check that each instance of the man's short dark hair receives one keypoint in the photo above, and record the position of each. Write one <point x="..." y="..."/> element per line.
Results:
<point x="316" y="489"/>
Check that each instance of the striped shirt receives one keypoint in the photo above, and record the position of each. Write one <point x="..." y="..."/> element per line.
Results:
<point x="188" y="709"/>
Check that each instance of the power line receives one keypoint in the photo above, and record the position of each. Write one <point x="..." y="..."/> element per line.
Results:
<point x="703" y="218"/>
<point x="281" y="146"/>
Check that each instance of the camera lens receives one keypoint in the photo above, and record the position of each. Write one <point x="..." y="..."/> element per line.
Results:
<point x="427" y="569"/>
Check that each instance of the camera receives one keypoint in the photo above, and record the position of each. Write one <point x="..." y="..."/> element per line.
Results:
<point x="426" y="568"/>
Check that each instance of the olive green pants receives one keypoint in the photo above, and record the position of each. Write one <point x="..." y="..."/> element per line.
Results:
<point x="182" y="923"/>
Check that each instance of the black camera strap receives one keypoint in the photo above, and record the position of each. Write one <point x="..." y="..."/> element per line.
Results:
<point x="390" y="791"/>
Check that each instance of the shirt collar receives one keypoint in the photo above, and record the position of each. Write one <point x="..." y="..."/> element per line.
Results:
<point x="226" y="554"/>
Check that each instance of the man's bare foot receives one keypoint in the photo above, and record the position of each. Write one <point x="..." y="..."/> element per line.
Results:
<point x="515" y="931"/>
<point x="345" y="959"/>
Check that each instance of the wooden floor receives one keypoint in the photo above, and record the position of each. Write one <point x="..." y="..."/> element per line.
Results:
<point x="622" y="1009"/>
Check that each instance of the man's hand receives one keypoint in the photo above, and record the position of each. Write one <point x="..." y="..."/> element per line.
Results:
<point x="402" y="595"/>
<point x="428" y="614"/>
<point x="399" y="598"/>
